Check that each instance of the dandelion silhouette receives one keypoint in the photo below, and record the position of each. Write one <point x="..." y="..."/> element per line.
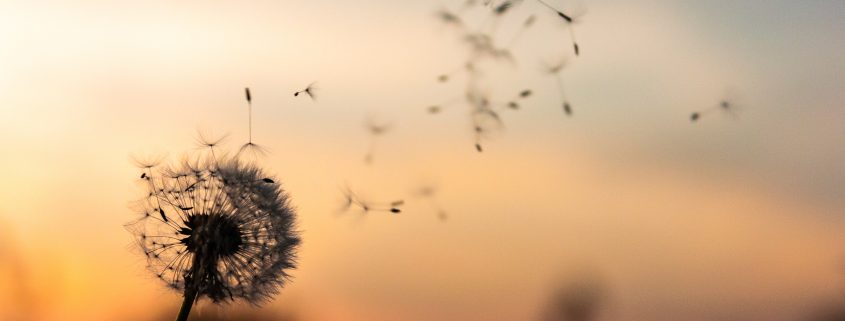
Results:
<point x="352" y="200"/>
<point x="216" y="228"/>
<point x="310" y="91"/>
<point x="251" y="149"/>
<point x="374" y="129"/>
<point x="579" y="300"/>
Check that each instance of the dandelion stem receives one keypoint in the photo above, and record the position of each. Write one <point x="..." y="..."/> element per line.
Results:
<point x="192" y="285"/>
<point x="190" y="297"/>
<point x="250" y="122"/>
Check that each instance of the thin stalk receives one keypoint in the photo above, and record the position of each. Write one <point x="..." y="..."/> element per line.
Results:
<point x="250" y="122"/>
<point x="191" y="287"/>
<point x="190" y="297"/>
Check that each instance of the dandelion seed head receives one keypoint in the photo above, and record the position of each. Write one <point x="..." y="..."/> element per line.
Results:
<point x="219" y="227"/>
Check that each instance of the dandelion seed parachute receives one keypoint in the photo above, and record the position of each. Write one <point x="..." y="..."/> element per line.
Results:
<point x="220" y="229"/>
<point x="353" y="200"/>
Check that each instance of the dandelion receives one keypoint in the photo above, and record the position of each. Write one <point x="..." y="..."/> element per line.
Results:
<point x="308" y="91"/>
<point x="219" y="229"/>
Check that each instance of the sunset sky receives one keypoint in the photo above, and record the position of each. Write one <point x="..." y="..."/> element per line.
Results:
<point x="728" y="218"/>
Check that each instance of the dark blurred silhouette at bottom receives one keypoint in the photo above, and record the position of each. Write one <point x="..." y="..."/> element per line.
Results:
<point x="579" y="299"/>
<point x="233" y="313"/>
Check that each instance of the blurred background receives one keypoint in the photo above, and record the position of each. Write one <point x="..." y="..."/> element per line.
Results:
<point x="624" y="211"/>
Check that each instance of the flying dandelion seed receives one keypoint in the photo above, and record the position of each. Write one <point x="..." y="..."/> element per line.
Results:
<point x="468" y="67"/>
<point x="449" y="18"/>
<point x="250" y="149"/>
<point x="352" y="200"/>
<point x="310" y="91"/>
<point x="570" y="20"/>
<point x="694" y="117"/>
<point x="525" y="93"/>
<point x="555" y="70"/>
<point x="437" y="108"/>
<point x="485" y="121"/>
<point x="503" y="7"/>
<point x="513" y="104"/>
<point x="726" y="105"/>
<point x="483" y="44"/>
<point x="374" y="129"/>
<point x="216" y="228"/>
<point x="723" y="106"/>
<point x="428" y="192"/>
<point x="525" y="26"/>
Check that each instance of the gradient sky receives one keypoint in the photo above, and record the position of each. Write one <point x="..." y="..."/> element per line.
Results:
<point x="726" y="219"/>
